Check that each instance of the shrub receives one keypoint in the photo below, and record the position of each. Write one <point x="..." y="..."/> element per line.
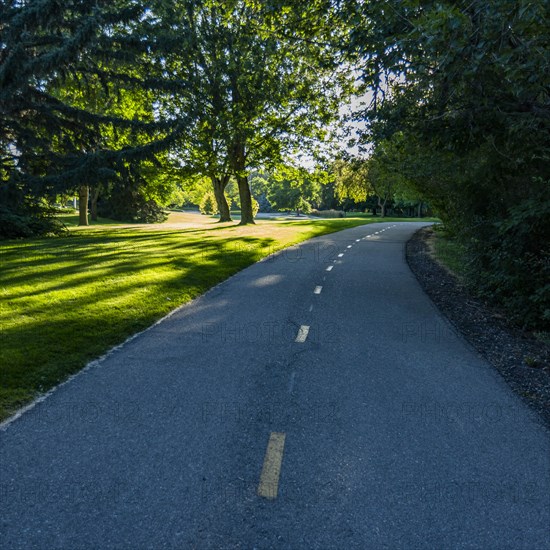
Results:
<point x="208" y="205"/>
<point x="329" y="213"/>
<point x="509" y="262"/>
<point x="127" y="204"/>
<point x="255" y="207"/>
<point x="265" y="205"/>
<point x="22" y="216"/>
<point x="17" y="226"/>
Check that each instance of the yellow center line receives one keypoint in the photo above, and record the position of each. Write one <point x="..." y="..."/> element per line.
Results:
<point x="271" y="471"/>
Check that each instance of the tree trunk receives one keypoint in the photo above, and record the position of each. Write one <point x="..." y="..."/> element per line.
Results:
<point x="382" y="206"/>
<point x="220" y="183"/>
<point x="93" y="204"/>
<point x="419" y="209"/>
<point x="239" y="168"/>
<point x="246" y="200"/>
<point x="83" y="195"/>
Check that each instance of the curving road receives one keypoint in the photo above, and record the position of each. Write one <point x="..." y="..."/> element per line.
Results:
<point x="315" y="400"/>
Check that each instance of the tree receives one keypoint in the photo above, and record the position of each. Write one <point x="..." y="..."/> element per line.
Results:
<point x="386" y="170"/>
<point x="384" y="175"/>
<point x="351" y="180"/>
<point x="208" y="204"/>
<point x="108" y="100"/>
<point x="466" y="84"/>
<point x="250" y="88"/>
<point x="50" y="137"/>
<point x="292" y="188"/>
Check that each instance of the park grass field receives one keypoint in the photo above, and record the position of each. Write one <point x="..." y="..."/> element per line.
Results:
<point x="66" y="300"/>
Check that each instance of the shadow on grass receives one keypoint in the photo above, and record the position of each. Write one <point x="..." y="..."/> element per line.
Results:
<point x="65" y="316"/>
<point x="67" y="300"/>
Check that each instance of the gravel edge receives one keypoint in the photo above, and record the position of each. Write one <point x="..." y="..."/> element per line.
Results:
<point x="505" y="347"/>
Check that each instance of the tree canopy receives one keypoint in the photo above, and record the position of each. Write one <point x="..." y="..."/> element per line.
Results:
<point x="466" y="86"/>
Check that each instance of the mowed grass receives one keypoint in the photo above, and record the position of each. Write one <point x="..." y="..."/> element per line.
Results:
<point x="65" y="301"/>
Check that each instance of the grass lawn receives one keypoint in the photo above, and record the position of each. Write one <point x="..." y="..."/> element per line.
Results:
<point x="64" y="301"/>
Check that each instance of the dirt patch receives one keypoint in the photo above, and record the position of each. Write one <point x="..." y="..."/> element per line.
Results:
<point x="523" y="361"/>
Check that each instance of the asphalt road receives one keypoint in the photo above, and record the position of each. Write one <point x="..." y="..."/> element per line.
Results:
<point x="271" y="413"/>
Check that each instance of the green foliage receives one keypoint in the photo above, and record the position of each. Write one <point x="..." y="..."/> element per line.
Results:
<point x="132" y="198"/>
<point x="208" y="204"/>
<point x="128" y="205"/>
<point x="254" y="87"/>
<point x="514" y="255"/>
<point x="460" y="91"/>
<point x="329" y="213"/>
<point x="228" y="87"/>
<point x="255" y="207"/>
<point x="28" y="222"/>
<point x="292" y="188"/>
<point x="23" y="216"/>
<point x="68" y="102"/>
<point x="385" y="175"/>
<point x="351" y="180"/>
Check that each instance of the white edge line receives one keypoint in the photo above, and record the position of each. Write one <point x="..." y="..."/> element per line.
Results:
<point x="97" y="362"/>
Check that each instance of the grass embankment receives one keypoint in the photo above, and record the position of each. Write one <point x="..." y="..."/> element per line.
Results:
<point x="66" y="300"/>
<point x="449" y="252"/>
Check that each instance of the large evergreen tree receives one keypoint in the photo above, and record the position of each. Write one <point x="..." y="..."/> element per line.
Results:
<point x="51" y="138"/>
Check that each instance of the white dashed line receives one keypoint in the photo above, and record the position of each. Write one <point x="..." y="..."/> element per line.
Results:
<point x="302" y="334"/>
<point x="318" y="290"/>
<point x="340" y="255"/>
<point x="349" y="245"/>
<point x="357" y="240"/>
<point x="329" y="268"/>
<point x="311" y="308"/>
